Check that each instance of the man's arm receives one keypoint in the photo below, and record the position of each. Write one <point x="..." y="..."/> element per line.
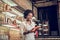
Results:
<point x="33" y="30"/>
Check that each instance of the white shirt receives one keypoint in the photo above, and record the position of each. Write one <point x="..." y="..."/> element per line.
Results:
<point x="28" y="27"/>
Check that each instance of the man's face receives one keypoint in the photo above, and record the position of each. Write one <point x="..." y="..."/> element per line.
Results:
<point x="30" y="15"/>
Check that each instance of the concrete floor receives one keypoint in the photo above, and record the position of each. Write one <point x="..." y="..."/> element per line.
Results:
<point x="47" y="38"/>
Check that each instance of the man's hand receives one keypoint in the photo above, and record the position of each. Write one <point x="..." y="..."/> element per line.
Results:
<point x="35" y="28"/>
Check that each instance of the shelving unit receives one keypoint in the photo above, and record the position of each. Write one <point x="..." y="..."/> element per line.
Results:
<point x="10" y="15"/>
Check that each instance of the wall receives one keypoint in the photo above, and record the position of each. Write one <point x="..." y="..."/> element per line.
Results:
<point x="35" y="11"/>
<point x="59" y="16"/>
<point x="26" y="4"/>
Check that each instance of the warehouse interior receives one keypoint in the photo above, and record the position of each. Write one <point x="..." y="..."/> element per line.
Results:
<point x="46" y="12"/>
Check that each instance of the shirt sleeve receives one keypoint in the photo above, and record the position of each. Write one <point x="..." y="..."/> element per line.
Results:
<point x="23" y="26"/>
<point x="33" y="24"/>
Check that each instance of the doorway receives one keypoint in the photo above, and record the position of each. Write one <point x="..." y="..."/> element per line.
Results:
<point x="49" y="14"/>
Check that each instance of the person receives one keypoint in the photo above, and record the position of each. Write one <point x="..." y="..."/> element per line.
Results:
<point x="29" y="26"/>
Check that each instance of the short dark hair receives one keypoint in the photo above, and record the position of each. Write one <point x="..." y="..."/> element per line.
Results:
<point x="27" y="12"/>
